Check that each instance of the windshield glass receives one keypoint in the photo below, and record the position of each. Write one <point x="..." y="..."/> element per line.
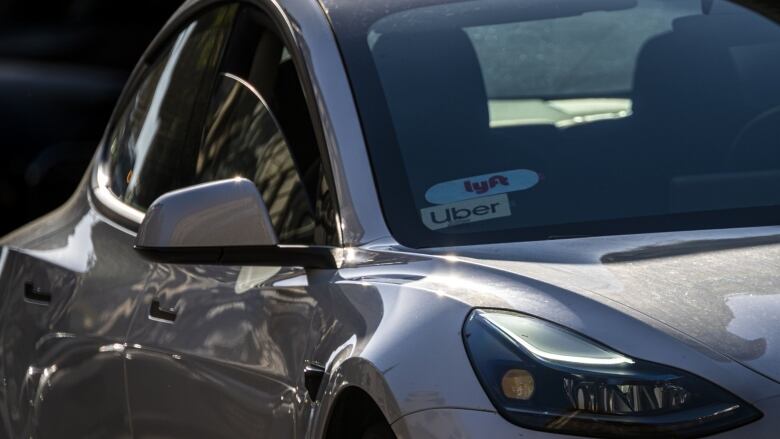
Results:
<point x="505" y="120"/>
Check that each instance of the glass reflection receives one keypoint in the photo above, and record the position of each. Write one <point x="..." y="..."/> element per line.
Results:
<point x="242" y="138"/>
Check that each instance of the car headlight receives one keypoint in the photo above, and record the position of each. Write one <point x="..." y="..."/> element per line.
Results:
<point x="542" y="376"/>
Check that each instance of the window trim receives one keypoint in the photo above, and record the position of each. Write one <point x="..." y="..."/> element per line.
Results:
<point x="127" y="216"/>
<point x="105" y="201"/>
<point x="110" y="201"/>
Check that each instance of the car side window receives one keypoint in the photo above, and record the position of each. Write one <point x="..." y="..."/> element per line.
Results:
<point x="224" y="100"/>
<point x="258" y="127"/>
<point x="148" y="143"/>
<point x="243" y="138"/>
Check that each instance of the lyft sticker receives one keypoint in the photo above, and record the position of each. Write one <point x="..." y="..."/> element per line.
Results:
<point x="482" y="185"/>
<point x="479" y="209"/>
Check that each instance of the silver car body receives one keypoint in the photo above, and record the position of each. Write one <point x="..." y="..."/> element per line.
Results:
<point x="90" y="363"/>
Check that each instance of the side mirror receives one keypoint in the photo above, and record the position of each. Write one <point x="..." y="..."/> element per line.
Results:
<point x="224" y="222"/>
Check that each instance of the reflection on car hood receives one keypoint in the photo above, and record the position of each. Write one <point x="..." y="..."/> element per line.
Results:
<point x="721" y="287"/>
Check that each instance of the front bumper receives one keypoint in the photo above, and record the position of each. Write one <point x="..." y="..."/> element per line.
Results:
<point x="467" y="424"/>
<point x="461" y="424"/>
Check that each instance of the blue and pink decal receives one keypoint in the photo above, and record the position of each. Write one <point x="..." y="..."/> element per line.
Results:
<point x="482" y="185"/>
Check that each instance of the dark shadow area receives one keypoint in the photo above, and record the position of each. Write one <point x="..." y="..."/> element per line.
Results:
<point x="62" y="67"/>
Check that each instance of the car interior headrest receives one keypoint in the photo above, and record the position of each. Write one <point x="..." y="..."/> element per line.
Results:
<point x="432" y="80"/>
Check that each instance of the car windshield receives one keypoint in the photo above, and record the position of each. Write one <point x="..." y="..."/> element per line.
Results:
<point x="506" y="120"/>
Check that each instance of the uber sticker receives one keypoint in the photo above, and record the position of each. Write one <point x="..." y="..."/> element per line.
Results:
<point x="482" y="185"/>
<point x="479" y="209"/>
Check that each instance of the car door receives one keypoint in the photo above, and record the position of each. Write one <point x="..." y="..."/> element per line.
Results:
<point x="69" y="298"/>
<point x="70" y="282"/>
<point x="220" y="351"/>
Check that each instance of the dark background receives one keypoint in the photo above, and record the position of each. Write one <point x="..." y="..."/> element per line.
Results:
<point x="62" y="67"/>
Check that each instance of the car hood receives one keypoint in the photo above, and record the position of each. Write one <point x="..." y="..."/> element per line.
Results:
<point x="720" y="287"/>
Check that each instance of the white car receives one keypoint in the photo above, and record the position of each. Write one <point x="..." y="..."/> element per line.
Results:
<point x="417" y="219"/>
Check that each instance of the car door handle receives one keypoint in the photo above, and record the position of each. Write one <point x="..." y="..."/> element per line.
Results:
<point x="165" y="315"/>
<point x="36" y="295"/>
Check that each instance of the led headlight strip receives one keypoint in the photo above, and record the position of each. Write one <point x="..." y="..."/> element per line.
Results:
<point x="518" y="327"/>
